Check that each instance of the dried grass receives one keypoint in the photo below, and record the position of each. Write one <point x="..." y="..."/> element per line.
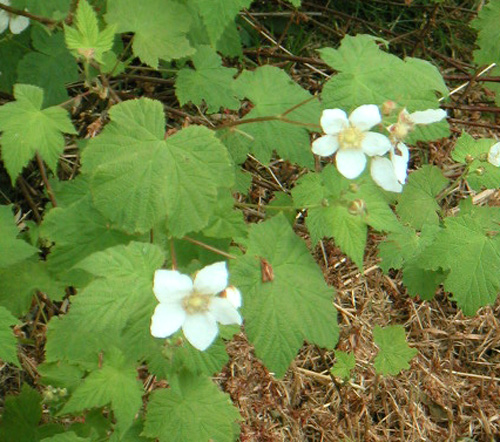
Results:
<point x="451" y="391"/>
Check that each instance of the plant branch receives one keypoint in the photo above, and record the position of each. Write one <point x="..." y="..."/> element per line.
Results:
<point x="209" y="247"/>
<point x="173" y="255"/>
<point x="25" y="191"/>
<point x="45" y="180"/>
<point x="38" y="18"/>
<point x="263" y="119"/>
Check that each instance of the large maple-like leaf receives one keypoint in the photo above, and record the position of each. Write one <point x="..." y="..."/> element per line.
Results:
<point x="286" y="299"/>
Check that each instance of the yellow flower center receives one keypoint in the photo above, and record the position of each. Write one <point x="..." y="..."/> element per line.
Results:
<point x="351" y="138"/>
<point x="401" y="130"/>
<point x="196" y="303"/>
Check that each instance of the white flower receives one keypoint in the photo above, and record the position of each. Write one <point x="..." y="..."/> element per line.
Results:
<point x="390" y="174"/>
<point x="494" y="155"/>
<point x="406" y="121"/>
<point x="16" y="23"/>
<point x="196" y="306"/>
<point x="350" y="138"/>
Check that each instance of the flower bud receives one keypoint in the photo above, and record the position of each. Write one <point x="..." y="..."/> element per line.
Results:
<point x="48" y="394"/>
<point x="479" y="171"/>
<point x="483" y="156"/>
<point x="354" y="188"/>
<point x="325" y="202"/>
<point x="357" y="207"/>
<point x="388" y="107"/>
<point x="469" y="158"/>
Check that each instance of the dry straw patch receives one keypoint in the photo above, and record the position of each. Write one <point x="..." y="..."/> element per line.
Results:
<point x="452" y="390"/>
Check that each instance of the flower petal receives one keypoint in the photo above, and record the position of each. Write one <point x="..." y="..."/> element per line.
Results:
<point x="365" y="117"/>
<point x="375" y="144"/>
<point x="350" y="163"/>
<point x="224" y="311"/>
<point x="382" y="172"/>
<point x="428" y="116"/>
<point x="333" y="121"/>
<point x="18" y="24"/>
<point x="4" y="20"/>
<point x="233" y="295"/>
<point x="494" y="155"/>
<point x="211" y="279"/>
<point x="167" y="319"/>
<point x="170" y="285"/>
<point x="400" y="162"/>
<point x="200" y="330"/>
<point x="325" y="146"/>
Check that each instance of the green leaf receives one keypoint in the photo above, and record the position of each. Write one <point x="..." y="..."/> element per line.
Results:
<point x="96" y="426"/>
<point x="19" y="282"/>
<point x="344" y="364"/>
<point x="66" y="437"/>
<point x="237" y="141"/>
<point x="369" y="75"/>
<point x="12" y="50"/>
<point x="21" y="415"/>
<point x="422" y="282"/>
<point x="13" y="250"/>
<point x="139" y="177"/>
<point x="417" y="205"/>
<point x="85" y="40"/>
<point x="75" y="343"/>
<point x="469" y="247"/>
<point x="102" y="305"/>
<point x="193" y="409"/>
<point x="219" y="14"/>
<point x="60" y="374"/>
<point x="207" y="362"/>
<point x="273" y="93"/>
<point x="116" y="383"/>
<point x="28" y="129"/>
<point x="398" y="247"/>
<point x="229" y="44"/>
<point x="226" y="222"/>
<point x="394" y="354"/>
<point x="8" y="342"/>
<point x="133" y="434"/>
<point x="474" y="154"/>
<point x="120" y="296"/>
<point x="282" y="203"/>
<point x="78" y="229"/>
<point x="138" y="344"/>
<point x="51" y="67"/>
<point x="210" y="82"/>
<point x="343" y="209"/>
<point x="160" y="28"/>
<point x="290" y="304"/>
<point x="403" y="250"/>
<point x="489" y="34"/>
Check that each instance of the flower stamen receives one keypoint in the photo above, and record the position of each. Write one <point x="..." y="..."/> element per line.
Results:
<point x="196" y="303"/>
<point x="351" y="138"/>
